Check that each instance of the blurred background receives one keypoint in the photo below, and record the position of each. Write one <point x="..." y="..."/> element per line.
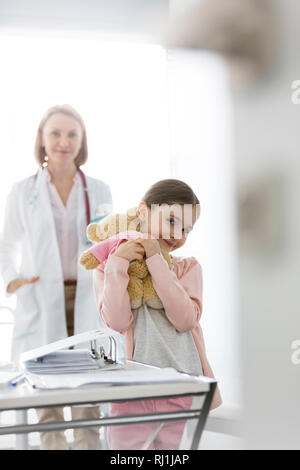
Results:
<point x="204" y="91"/>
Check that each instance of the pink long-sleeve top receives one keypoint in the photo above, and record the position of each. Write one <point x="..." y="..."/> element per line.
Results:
<point x="180" y="291"/>
<point x="107" y="247"/>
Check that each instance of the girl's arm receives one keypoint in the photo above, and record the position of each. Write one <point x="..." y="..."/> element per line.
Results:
<point x="181" y="298"/>
<point x="110" y="287"/>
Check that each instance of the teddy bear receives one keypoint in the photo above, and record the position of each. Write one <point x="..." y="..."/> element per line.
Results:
<point x="108" y="234"/>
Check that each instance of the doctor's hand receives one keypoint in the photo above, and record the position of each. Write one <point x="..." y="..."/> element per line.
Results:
<point x="17" y="283"/>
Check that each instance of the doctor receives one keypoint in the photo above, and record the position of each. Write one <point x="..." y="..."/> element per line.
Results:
<point x="45" y="222"/>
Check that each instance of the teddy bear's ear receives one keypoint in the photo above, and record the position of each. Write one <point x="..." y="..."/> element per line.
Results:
<point x="106" y="227"/>
<point x="91" y="233"/>
<point x="133" y="221"/>
<point x="103" y="231"/>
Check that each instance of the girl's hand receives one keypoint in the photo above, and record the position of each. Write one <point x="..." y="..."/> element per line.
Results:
<point x="151" y="246"/>
<point x="17" y="283"/>
<point x="131" y="250"/>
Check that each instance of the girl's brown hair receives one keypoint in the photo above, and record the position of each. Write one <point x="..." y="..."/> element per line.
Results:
<point x="39" y="150"/>
<point x="171" y="191"/>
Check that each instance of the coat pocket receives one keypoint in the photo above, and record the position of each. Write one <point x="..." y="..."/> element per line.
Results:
<point x="26" y="312"/>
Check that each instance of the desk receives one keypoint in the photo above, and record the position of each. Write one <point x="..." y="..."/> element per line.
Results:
<point x="24" y="397"/>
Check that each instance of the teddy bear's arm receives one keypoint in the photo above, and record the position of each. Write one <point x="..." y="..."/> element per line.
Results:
<point x="88" y="260"/>
<point x="102" y="249"/>
<point x="91" y="258"/>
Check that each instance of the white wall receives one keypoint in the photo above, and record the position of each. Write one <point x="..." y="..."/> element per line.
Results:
<point x="267" y="142"/>
<point x="141" y="18"/>
<point x="201" y="151"/>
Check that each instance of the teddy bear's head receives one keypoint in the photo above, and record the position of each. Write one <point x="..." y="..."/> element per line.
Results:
<point x="140" y="287"/>
<point x="113" y="224"/>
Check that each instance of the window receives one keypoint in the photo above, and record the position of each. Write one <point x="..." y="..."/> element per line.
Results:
<point x="149" y="116"/>
<point x="118" y="87"/>
<point x="202" y="155"/>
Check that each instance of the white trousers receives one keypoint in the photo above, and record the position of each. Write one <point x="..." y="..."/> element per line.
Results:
<point x="84" y="439"/>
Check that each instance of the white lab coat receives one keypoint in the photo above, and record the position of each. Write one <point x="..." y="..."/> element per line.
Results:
<point x="29" y="229"/>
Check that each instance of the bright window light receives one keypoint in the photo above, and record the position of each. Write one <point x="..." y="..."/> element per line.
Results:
<point x="118" y="87"/>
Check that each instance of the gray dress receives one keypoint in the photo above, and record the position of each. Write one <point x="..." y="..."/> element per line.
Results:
<point x="158" y="343"/>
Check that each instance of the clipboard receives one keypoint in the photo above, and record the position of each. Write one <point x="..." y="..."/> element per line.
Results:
<point x="106" y="348"/>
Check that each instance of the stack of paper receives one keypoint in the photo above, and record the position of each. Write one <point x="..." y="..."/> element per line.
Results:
<point x="106" y="352"/>
<point x="66" y="361"/>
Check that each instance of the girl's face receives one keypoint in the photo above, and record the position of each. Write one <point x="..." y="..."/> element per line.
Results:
<point x="169" y="224"/>
<point x="62" y="138"/>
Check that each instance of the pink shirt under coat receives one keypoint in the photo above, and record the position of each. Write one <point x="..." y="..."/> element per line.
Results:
<point x="65" y="217"/>
<point x="180" y="292"/>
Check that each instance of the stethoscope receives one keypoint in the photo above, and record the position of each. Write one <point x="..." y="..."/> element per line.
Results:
<point x="87" y="203"/>
<point x="86" y="197"/>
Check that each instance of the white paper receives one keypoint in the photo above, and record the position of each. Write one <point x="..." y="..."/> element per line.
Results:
<point x="113" y="377"/>
<point x="65" y="361"/>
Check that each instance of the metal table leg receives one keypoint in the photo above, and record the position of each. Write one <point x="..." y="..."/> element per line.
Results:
<point x="21" y="439"/>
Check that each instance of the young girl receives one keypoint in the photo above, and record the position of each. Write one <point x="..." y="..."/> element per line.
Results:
<point x="172" y="336"/>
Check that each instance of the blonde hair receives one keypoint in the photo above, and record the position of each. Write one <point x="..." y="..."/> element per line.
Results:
<point x="39" y="150"/>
